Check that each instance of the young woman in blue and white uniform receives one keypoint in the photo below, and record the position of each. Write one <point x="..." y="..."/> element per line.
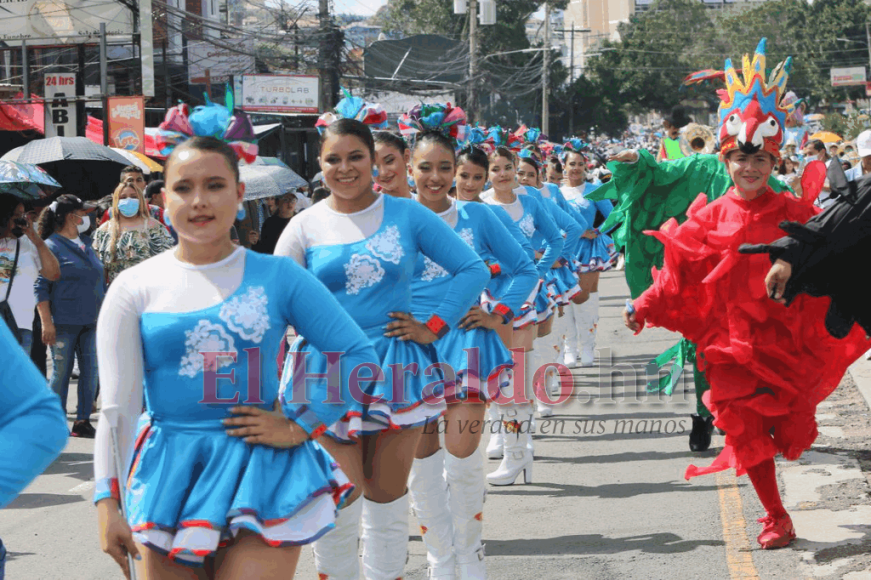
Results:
<point x="479" y="359"/>
<point x="536" y="223"/>
<point x="596" y="253"/>
<point x="392" y="157"/>
<point x="562" y="281"/>
<point x="364" y="247"/>
<point x="213" y="470"/>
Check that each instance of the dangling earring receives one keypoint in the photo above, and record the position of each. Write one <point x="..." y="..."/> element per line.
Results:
<point x="240" y="215"/>
<point x="374" y="171"/>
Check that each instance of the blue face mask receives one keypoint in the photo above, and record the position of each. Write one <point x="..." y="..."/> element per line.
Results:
<point x="128" y="207"/>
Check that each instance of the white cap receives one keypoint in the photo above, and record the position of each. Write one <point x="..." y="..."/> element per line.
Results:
<point x="863" y="143"/>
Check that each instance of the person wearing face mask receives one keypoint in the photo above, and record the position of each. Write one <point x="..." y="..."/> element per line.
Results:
<point x="131" y="235"/>
<point x="68" y="306"/>
<point x="23" y="257"/>
<point x="768" y="366"/>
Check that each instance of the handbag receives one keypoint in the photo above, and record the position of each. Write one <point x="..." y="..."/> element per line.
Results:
<point x="5" y="309"/>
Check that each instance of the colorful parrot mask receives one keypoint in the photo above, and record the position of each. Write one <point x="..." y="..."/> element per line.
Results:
<point x="752" y="114"/>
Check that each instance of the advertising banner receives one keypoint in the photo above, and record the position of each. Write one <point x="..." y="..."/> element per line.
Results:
<point x="127" y="123"/>
<point x="60" y="105"/>
<point x="234" y="58"/>
<point x="845" y="77"/>
<point x="50" y="22"/>
<point x="278" y="93"/>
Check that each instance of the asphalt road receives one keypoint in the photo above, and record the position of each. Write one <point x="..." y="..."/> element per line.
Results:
<point x="608" y="498"/>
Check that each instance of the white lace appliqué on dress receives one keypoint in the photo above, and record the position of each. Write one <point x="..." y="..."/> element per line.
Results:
<point x="431" y="270"/>
<point x="205" y="337"/>
<point x="386" y="245"/>
<point x="468" y="236"/>
<point x="362" y="271"/>
<point x="527" y="225"/>
<point x="247" y="315"/>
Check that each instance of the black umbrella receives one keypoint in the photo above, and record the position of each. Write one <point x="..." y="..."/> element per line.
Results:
<point x="63" y="149"/>
<point x="81" y="166"/>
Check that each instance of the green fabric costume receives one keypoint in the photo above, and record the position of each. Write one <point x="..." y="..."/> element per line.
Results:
<point x="646" y="194"/>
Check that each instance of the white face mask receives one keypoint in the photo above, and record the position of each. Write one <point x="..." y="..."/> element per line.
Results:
<point x="86" y="223"/>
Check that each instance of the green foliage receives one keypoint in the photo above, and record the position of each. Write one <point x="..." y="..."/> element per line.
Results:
<point x="848" y="126"/>
<point x="660" y="47"/>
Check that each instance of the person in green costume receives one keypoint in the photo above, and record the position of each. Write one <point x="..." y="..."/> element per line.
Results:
<point x="672" y="123"/>
<point x="646" y="194"/>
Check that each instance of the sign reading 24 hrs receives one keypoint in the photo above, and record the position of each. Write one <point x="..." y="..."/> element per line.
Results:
<point x="60" y="105"/>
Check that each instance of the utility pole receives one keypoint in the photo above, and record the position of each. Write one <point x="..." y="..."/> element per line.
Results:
<point x="545" y="76"/>
<point x="868" y="40"/>
<point x="571" y="82"/>
<point x="326" y="91"/>
<point x="473" y="59"/>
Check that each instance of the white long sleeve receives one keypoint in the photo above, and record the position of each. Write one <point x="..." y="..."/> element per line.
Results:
<point x="159" y="284"/>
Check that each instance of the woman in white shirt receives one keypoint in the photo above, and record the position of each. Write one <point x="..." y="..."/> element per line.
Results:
<point x="34" y="259"/>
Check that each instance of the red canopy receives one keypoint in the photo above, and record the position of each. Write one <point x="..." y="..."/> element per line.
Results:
<point x="31" y="117"/>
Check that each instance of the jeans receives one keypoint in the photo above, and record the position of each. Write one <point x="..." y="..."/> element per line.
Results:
<point x="26" y="341"/>
<point x="69" y="339"/>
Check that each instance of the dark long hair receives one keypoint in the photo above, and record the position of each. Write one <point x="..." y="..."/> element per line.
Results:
<point x="51" y="220"/>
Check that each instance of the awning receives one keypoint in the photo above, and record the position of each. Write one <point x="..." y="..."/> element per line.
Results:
<point x="263" y="130"/>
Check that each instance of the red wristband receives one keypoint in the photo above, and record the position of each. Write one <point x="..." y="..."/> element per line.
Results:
<point x="437" y="326"/>
<point x="505" y="312"/>
<point x="495" y="270"/>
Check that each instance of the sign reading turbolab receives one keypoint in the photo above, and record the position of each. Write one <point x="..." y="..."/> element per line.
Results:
<point x="277" y="93"/>
<point x="60" y="105"/>
<point x="127" y="123"/>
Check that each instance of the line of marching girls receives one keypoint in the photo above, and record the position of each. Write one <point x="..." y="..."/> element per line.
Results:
<point x="425" y="300"/>
<point x="418" y="300"/>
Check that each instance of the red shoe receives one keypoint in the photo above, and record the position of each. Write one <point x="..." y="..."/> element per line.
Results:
<point x="777" y="532"/>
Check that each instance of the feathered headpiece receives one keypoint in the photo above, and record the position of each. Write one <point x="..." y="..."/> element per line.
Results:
<point x="752" y="113"/>
<point x="351" y="107"/>
<point x="530" y="135"/>
<point x="209" y="120"/>
<point x="574" y="145"/>
<point x="444" y="118"/>
<point x="477" y="137"/>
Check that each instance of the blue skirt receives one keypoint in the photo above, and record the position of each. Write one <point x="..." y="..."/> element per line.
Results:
<point x="191" y="488"/>
<point x="478" y="359"/>
<point x="418" y="398"/>
<point x="564" y="283"/>
<point x="596" y="255"/>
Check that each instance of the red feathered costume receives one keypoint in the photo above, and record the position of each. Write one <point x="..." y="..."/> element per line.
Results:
<point x="769" y="366"/>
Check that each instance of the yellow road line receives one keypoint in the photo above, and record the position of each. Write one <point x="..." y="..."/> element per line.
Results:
<point x="739" y="557"/>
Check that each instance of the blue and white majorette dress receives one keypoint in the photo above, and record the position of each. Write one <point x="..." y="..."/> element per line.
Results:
<point x="201" y="339"/>
<point x="563" y="281"/>
<point x="595" y="255"/>
<point x="366" y="260"/>
<point x="477" y="357"/>
<point x="536" y="223"/>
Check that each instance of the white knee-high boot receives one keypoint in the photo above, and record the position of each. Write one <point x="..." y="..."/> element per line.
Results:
<point x="541" y="357"/>
<point x="429" y="497"/>
<point x="494" y="445"/>
<point x="336" y="553"/>
<point x="385" y="539"/>
<point x="516" y="422"/>
<point x="466" y="483"/>
<point x="586" y="319"/>
<point x="589" y="353"/>
<point x="569" y="345"/>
